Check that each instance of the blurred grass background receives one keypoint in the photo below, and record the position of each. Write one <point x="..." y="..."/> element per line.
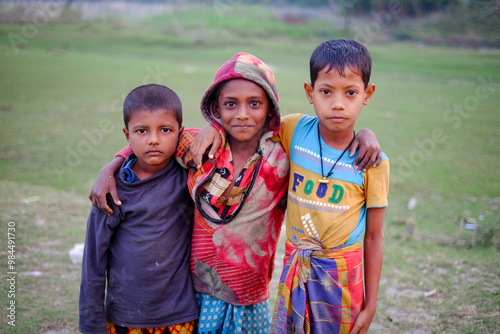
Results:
<point x="435" y="112"/>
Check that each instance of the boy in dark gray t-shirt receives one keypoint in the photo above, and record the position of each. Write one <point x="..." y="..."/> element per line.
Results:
<point x="135" y="271"/>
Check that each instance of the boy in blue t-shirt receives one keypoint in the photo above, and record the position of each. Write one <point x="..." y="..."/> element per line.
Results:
<point x="135" y="272"/>
<point x="330" y="204"/>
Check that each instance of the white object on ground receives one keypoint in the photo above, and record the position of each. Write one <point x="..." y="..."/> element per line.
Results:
<point x="76" y="253"/>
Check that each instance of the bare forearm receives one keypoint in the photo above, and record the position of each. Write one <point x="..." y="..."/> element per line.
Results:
<point x="373" y="256"/>
<point x="373" y="259"/>
<point x="113" y="166"/>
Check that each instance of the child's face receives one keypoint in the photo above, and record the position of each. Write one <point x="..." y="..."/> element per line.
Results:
<point x="153" y="136"/>
<point x="243" y="108"/>
<point x="338" y="100"/>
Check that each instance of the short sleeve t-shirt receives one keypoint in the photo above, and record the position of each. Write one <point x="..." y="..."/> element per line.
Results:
<point x="334" y="212"/>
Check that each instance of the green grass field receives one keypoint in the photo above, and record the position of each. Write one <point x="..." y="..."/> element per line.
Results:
<point x="435" y="112"/>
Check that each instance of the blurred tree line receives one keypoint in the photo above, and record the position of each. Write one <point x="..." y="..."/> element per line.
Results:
<point x="408" y="8"/>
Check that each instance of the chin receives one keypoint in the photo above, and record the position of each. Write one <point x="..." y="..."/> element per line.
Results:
<point x="242" y="138"/>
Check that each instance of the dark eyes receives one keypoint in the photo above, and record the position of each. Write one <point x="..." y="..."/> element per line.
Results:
<point x="348" y="93"/>
<point x="163" y="130"/>
<point x="231" y="104"/>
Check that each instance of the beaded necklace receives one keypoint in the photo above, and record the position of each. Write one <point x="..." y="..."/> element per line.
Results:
<point x="325" y="178"/>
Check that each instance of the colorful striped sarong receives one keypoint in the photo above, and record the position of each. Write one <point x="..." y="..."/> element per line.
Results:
<point x="320" y="290"/>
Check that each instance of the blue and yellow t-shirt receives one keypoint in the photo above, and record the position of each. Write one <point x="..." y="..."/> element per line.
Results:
<point x="333" y="212"/>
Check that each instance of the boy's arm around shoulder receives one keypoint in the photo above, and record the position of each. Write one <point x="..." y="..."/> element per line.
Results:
<point x="106" y="184"/>
<point x="188" y="148"/>
<point x="365" y="142"/>
<point x="100" y="228"/>
<point x="370" y="152"/>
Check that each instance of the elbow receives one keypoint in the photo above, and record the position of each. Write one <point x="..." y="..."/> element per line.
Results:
<point x="377" y="241"/>
<point x="376" y="237"/>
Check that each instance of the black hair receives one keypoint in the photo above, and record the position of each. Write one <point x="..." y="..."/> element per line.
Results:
<point x="149" y="98"/>
<point x="213" y="98"/>
<point x="336" y="54"/>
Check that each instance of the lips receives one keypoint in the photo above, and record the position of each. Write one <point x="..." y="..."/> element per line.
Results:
<point x="242" y="127"/>
<point x="154" y="152"/>
<point x="336" y="118"/>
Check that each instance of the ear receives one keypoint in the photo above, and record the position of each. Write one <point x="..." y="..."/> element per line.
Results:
<point x="125" y="131"/>
<point x="270" y="112"/>
<point x="368" y="94"/>
<point x="180" y="131"/>
<point x="309" y="90"/>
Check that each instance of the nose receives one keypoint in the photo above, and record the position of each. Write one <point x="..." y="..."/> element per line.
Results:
<point x="242" y="112"/>
<point x="337" y="102"/>
<point x="154" y="138"/>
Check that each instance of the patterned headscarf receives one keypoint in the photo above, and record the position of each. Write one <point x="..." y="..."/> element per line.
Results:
<point x="244" y="66"/>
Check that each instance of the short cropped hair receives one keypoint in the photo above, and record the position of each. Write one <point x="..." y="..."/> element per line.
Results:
<point x="149" y="98"/>
<point x="336" y="54"/>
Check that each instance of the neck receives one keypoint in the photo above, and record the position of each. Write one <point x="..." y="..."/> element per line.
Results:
<point x="143" y="171"/>
<point x="246" y="148"/>
<point x="241" y="153"/>
<point x="336" y="140"/>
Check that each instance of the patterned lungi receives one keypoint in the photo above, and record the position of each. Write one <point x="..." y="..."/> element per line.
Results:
<point x="320" y="290"/>
<point x="219" y="317"/>
<point x="186" y="328"/>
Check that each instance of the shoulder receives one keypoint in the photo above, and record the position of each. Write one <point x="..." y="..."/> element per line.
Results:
<point x="291" y="121"/>
<point x="290" y="118"/>
<point x="173" y="173"/>
<point x="297" y="122"/>
<point x="99" y="221"/>
<point x="381" y="171"/>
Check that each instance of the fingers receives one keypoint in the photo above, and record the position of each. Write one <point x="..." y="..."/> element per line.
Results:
<point x="365" y="162"/>
<point x="369" y="151"/>
<point x="104" y="207"/>
<point x="353" y="148"/>
<point x="92" y="198"/>
<point x="359" y="161"/>
<point x="110" y="187"/>
<point x="207" y="138"/>
<point x="366" y="158"/>
<point x="114" y="194"/>
<point x="196" y="152"/>
<point x="198" y="147"/>
<point x="360" y="325"/>
<point x="215" y="148"/>
<point x="356" y="329"/>
<point x="378" y="160"/>
<point x="100" y="202"/>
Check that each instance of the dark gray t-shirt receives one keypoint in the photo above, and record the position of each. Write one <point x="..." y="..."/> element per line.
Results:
<point x="139" y="256"/>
